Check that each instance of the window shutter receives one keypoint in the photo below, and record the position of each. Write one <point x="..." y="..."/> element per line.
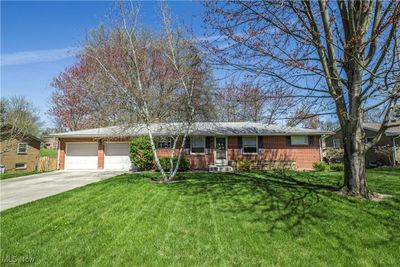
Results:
<point x="260" y="142"/>
<point x="310" y="140"/>
<point x="288" y="140"/>
<point x="187" y="146"/>
<point x="240" y="145"/>
<point x="208" y="144"/>
<point x="260" y="145"/>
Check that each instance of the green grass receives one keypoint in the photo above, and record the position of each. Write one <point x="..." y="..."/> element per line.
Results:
<point x="48" y="152"/>
<point x="263" y="219"/>
<point x="15" y="174"/>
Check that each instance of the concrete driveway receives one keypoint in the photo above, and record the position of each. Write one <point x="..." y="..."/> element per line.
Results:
<point x="17" y="191"/>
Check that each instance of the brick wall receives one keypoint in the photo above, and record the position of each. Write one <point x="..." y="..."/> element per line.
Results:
<point x="196" y="162"/>
<point x="100" y="155"/>
<point x="276" y="149"/>
<point x="61" y="154"/>
<point x="11" y="157"/>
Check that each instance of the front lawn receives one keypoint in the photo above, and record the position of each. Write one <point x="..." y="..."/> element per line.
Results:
<point x="48" y="152"/>
<point x="263" y="219"/>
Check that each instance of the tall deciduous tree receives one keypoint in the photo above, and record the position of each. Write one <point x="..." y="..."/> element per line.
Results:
<point x="161" y="75"/>
<point x="343" y="52"/>
<point x="85" y="98"/>
<point x="250" y="100"/>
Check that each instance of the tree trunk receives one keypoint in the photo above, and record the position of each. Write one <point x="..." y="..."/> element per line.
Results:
<point x="355" y="182"/>
<point x="154" y="150"/>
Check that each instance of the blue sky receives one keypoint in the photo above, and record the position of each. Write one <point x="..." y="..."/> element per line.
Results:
<point x="38" y="40"/>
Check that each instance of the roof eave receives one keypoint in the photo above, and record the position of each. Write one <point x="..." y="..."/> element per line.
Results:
<point x="216" y="134"/>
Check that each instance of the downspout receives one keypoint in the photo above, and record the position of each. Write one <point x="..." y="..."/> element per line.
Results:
<point x="394" y="150"/>
<point x="320" y="148"/>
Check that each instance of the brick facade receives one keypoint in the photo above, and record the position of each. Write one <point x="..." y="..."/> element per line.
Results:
<point x="196" y="162"/>
<point x="100" y="155"/>
<point x="10" y="157"/>
<point x="275" y="148"/>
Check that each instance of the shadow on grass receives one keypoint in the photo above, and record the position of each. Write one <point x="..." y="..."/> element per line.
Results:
<point x="295" y="203"/>
<point x="292" y="202"/>
<point x="279" y="200"/>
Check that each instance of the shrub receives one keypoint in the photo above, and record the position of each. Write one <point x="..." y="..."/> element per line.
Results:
<point x="320" y="166"/>
<point x="243" y="165"/>
<point x="183" y="165"/>
<point x="338" y="167"/>
<point x="141" y="153"/>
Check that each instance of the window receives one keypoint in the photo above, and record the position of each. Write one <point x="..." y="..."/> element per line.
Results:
<point x="336" y="143"/>
<point x="20" y="166"/>
<point x="22" y="148"/>
<point x="249" y="144"/>
<point x="197" y="144"/>
<point x="164" y="144"/>
<point x="368" y="139"/>
<point x="299" y="140"/>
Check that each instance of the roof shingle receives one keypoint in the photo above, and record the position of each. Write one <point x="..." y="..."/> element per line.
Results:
<point x="199" y="128"/>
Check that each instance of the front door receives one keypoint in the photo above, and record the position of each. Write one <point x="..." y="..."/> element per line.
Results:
<point x="220" y="151"/>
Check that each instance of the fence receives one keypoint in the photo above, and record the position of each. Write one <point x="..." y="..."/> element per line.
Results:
<point x="47" y="164"/>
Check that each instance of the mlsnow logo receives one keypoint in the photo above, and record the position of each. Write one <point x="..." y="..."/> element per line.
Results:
<point x="17" y="259"/>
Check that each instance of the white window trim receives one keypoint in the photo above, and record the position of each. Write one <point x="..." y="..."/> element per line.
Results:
<point x="304" y="144"/>
<point x="26" y="152"/>
<point x="204" y="145"/>
<point x="21" y="168"/>
<point x="250" y="153"/>
<point x="335" y="144"/>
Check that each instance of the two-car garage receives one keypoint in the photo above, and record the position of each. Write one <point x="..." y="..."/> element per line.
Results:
<point x="88" y="156"/>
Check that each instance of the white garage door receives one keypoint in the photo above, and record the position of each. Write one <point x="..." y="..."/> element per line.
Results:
<point x="81" y="156"/>
<point x="117" y="156"/>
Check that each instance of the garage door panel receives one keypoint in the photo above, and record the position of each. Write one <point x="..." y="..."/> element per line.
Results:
<point x="118" y="149"/>
<point x="81" y="156"/>
<point x="117" y="156"/>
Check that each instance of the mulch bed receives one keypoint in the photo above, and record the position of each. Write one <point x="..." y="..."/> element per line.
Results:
<point x="161" y="181"/>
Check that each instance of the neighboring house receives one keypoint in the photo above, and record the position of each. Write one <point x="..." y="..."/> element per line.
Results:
<point x="20" y="154"/>
<point x="386" y="152"/>
<point x="50" y="142"/>
<point x="209" y="144"/>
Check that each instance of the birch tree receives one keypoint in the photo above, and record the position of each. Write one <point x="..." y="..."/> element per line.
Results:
<point x="342" y="54"/>
<point x="162" y="75"/>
